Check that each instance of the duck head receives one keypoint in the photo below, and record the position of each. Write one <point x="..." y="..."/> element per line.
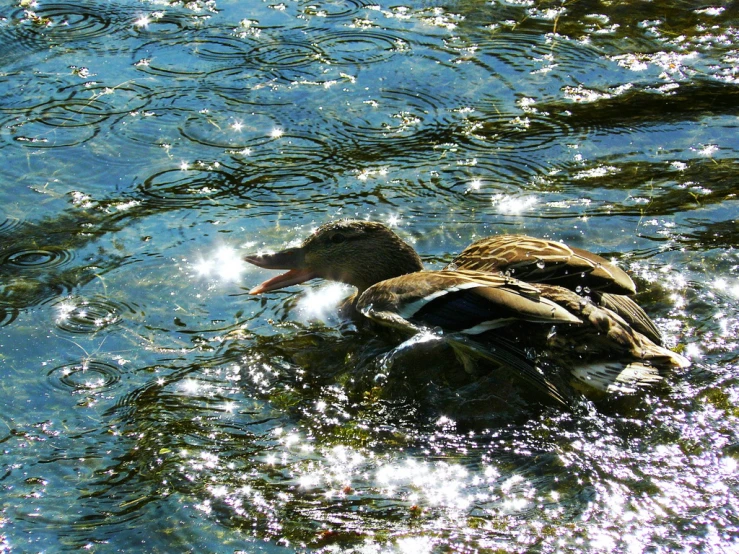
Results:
<point x="358" y="253"/>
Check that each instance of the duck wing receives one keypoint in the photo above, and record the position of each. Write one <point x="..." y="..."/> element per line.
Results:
<point x="544" y="261"/>
<point x="470" y="302"/>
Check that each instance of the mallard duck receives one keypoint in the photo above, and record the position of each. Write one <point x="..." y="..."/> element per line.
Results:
<point x="567" y="303"/>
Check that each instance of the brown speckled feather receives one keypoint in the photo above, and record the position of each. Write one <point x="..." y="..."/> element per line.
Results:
<point x="544" y="261"/>
<point x="605" y="333"/>
<point x="631" y="312"/>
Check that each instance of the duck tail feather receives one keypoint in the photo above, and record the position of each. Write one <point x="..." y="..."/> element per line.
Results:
<point x="618" y="377"/>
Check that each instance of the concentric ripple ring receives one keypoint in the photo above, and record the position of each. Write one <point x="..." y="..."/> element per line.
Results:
<point x="88" y="315"/>
<point x="36" y="258"/>
<point x="84" y="376"/>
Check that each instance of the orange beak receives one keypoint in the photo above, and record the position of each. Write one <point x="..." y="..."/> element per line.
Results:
<point x="291" y="259"/>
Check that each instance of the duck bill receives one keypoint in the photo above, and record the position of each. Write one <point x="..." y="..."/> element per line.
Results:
<point x="291" y="259"/>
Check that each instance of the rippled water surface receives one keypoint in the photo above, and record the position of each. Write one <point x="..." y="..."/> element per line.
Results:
<point x="149" y="404"/>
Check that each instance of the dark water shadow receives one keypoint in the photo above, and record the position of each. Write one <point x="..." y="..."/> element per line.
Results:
<point x="644" y="106"/>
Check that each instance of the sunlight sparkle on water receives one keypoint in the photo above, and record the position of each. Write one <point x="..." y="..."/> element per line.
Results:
<point x="143" y="21"/>
<point x="513" y="206"/>
<point x="309" y="480"/>
<point x="475" y="184"/>
<point x="729" y="465"/>
<point x="321" y="304"/>
<point x="439" y="484"/>
<point x="190" y="386"/>
<point x="415" y="545"/>
<point x="225" y="265"/>
<point x="596" y="172"/>
<point x="723" y="285"/>
<point x="711" y="11"/>
<point x="693" y="351"/>
<point x="219" y="491"/>
<point x="64" y="309"/>
<point x="708" y="150"/>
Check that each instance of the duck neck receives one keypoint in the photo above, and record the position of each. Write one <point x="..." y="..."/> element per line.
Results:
<point x="386" y="265"/>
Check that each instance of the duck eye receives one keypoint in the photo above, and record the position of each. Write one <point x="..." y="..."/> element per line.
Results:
<point x="338" y="238"/>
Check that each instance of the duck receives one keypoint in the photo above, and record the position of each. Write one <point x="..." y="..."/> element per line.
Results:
<point x="500" y="299"/>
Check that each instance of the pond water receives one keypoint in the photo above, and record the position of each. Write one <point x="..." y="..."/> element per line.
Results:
<point x="149" y="404"/>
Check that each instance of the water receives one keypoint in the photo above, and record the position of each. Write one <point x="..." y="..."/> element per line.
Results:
<point x="147" y="403"/>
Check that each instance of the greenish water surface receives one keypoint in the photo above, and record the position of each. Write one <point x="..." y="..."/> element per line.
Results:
<point x="149" y="404"/>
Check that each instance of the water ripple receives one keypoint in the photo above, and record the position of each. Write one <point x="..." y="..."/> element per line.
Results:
<point x="222" y="48"/>
<point x="284" y="54"/>
<point x="68" y="122"/>
<point x="358" y="47"/>
<point x="31" y="259"/>
<point x="300" y="152"/>
<point x="19" y="39"/>
<point x="38" y="135"/>
<point x="519" y="132"/>
<point x="84" y="376"/>
<point x="21" y="91"/>
<point x="10" y="226"/>
<point x="75" y="112"/>
<point x="138" y="132"/>
<point x="161" y="24"/>
<point x="8" y="314"/>
<point x="32" y="275"/>
<point x="250" y="89"/>
<point x="396" y="121"/>
<point x="194" y="57"/>
<point x="183" y="188"/>
<point x="230" y="130"/>
<point x="67" y="22"/>
<point x="418" y="99"/>
<point x="333" y="8"/>
<point x="538" y="54"/>
<point x="278" y="188"/>
<point x="306" y="171"/>
<point x="89" y="315"/>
